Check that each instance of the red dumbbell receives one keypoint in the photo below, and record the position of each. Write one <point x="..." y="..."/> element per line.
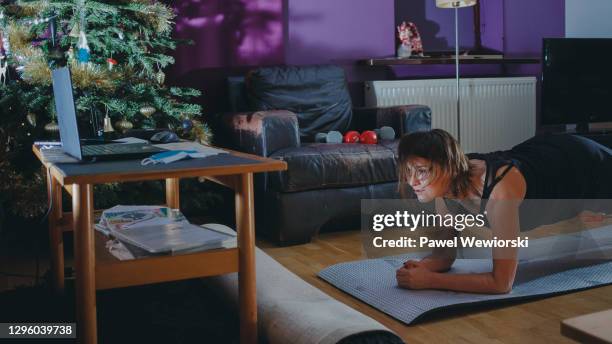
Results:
<point x="368" y="137"/>
<point x="351" y="137"/>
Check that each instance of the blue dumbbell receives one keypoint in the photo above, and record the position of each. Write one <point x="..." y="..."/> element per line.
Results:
<point x="385" y="133"/>
<point x="330" y="137"/>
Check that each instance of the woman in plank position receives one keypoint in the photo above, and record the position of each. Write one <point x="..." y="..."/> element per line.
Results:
<point x="544" y="167"/>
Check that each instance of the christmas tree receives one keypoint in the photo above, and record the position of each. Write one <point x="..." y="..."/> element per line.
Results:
<point x="117" y="52"/>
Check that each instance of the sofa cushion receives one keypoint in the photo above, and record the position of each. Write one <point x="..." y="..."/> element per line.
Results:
<point x="324" y="165"/>
<point x="318" y="95"/>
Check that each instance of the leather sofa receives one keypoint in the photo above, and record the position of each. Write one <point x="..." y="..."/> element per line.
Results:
<point x="281" y="109"/>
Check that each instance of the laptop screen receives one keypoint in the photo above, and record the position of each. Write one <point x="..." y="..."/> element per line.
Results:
<point x="66" y="114"/>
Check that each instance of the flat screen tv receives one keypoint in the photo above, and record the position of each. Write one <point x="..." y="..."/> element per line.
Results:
<point x="576" y="81"/>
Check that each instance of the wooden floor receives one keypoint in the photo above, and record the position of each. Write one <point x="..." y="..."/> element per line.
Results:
<point x="527" y="322"/>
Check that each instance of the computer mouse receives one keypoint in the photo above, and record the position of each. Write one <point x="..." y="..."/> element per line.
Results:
<point x="164" y="137"/>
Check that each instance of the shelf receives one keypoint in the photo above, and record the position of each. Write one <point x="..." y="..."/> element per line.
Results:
<point x="398" y="61"/>
<point x="114" y="273"/>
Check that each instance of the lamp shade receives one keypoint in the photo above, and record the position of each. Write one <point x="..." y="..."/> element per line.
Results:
<point x="455" y="3"/>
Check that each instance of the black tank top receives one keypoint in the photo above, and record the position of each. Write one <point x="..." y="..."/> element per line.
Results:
<point x="493" y="162"/>
<point x="555" y="167"/>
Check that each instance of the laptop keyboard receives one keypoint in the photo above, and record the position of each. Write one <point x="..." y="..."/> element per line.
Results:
<point x="119" y="148"/>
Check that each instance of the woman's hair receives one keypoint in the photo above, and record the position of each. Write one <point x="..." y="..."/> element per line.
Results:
<point x="446" y="156"/>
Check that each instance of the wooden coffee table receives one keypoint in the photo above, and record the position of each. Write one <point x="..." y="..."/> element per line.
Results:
<point x="97" y="269"/>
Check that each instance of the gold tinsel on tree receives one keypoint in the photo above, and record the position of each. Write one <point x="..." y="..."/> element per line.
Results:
<point x="134" y="34"/>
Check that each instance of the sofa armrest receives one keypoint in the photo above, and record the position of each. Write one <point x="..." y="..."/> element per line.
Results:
<point x="404" y="119"/>
<point x="262" y="132"/>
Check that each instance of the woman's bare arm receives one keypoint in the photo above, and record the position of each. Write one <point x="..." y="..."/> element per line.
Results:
<point x="498" y="281"/>
<point x="503" y="214"/>
<point x="441" y="258"/>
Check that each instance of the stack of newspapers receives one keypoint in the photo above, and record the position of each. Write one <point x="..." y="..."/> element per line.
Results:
<point x="152" y="230"/>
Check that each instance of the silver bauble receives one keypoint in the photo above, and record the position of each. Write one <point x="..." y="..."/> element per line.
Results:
<point x="161" y="77"/>
<point x="147" y="111"/>
<point x="123" y="125"/>
<point x="31" y="117"/>
<point x="52" y="127"/>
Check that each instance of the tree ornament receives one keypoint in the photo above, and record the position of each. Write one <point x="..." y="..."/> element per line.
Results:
<point x="6" y="45"/>
<point x="70" y="54"/>
<point x="201" y="133"/>
<point x="111" y="63"/>
<point x="161" y="77"/>
<point x="124" y="125"/>
<point x="3" y="70"/>
<point x="108" y="127"/>
<point x="31" y="117"/>
<point x="147" y="111"/>
<point x="187" y="125"/>
<point x="75" y="31"/>
<point x="83" y="52"/>
<point x="52" y="127"/>
<point x="2" y="53"/>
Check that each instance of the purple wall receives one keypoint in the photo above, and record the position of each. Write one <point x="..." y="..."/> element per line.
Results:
<point x="229" y="33"/>
<point x="229" y="37"/>
<point x="233" y="35"/>
<point x="322" y="31"/>
<point x="341" y="32"/>
<point x="526" y="23"/>
<point x="492" y="24"/>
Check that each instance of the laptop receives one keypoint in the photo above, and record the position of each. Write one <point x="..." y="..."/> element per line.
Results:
<point x="72" y="143"/>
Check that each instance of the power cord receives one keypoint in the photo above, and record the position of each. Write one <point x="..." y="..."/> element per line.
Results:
<point x="44" y="219"/>
<point x="10" y="274"/>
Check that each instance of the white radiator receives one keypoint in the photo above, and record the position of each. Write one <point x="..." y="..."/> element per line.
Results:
<point x="496" y="113"/>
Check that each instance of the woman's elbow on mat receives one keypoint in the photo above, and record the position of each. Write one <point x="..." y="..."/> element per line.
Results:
<point x="504" y="272"/>
<point x="502" y="287"/>
<point x="484" y="283"/>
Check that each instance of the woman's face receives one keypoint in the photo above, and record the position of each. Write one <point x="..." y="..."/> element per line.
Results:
<point x="419" y="178"/>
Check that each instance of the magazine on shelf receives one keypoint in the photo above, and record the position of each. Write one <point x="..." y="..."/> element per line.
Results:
<point x="125" y="251"/>
<point x="171" y="238"/>
<point x="151" y="230"/>
<point x="122" y="217"/>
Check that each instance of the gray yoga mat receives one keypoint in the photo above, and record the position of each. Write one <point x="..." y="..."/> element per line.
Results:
<point x="581" y="261"/>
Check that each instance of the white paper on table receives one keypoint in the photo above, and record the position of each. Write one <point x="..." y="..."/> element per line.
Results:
<point x="130" y="140"/>
<point x="190" y="145"/>
<point x="117" y="249"/>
